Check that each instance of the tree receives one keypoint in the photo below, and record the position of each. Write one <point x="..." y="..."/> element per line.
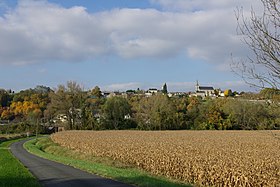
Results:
<point x="7" y="115"/>
<point x="215" y="117"/>
<point x="21" y="110"/>
<point x="116" y="113"/>
<point x="88" y="119"/>
<point x="228" y="93"/>
<point x="34" y="117"/>
<point x="247" y="115"/>
<point x="181" y="104"/>
<point x="156" y="113"/>
<point x="270" y="93"/>
<point x="4" y="98"/>
<point x="67" y="100"/>
<point x="194" y="102"/>
<point x="96" y="92"/>
<point x="164" y="89"/>
<point x="91" y="110"/>
<point x="217" y="92"/>
<point x="261" y="35"/>
<point x="42" y="89"/>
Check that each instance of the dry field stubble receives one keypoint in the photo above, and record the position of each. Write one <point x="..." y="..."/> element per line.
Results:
<point x="4" y="137"/>
<point x="204" y="158"/>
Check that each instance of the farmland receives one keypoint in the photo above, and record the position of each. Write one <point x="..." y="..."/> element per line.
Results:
<point x="4" y="137"/>
<point x="206" y="158"/>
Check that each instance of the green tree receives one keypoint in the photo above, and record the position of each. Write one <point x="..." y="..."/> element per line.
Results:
<point x="88" y="119"/>
<point x="91" y="112"/>
<point x="156" y="113"/>
<point x="215" y="117"/>
<point x="5" y="98"/>
<point x="96" y="92"/>
<point x="164" y="89"/>
<point x="67" y="100"/>
<point x="34" y="118"/>
<point x="116" y="113"/>
<point x="193" y="111"/>
<point x="181" y="104"/>
<point x="270" y="93"/>
<point x="247" y="115"/>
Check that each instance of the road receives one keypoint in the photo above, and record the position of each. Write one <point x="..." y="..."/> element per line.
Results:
<point x="53" y="174"/>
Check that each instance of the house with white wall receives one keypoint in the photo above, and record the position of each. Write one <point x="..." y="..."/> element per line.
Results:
<point x="151" y="91"/>
<point x="204" y="91"/>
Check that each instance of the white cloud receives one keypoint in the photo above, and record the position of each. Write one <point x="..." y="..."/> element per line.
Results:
<point x="38" y="31"/>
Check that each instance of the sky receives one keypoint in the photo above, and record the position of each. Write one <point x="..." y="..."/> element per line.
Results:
<point x="121" y="44"/>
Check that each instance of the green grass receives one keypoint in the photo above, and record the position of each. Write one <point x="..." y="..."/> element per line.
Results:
<point x="106" y="167"/>
<point x="12" y="172"/>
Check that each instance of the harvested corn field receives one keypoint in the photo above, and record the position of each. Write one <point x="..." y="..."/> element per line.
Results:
<point x="204" y="158"/>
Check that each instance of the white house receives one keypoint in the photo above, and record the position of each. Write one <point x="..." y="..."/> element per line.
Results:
<point x="151" y="91"/>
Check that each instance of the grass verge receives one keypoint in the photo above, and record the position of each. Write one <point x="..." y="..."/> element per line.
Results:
<point x="12" y="172"/>
<point x="106" y="167"/>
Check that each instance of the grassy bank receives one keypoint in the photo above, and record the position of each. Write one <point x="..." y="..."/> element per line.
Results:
<point x="44" y="147"/>
<point x="12" y="172"/>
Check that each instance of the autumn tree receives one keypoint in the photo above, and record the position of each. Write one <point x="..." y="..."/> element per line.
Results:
<point x="6" y="114"/>
<point x="228" y="93"/>
<point x="215" y="116"/>
<point x="261" y="35"/>
<point x="21" y="110"/>
<point x="194" y="102"/>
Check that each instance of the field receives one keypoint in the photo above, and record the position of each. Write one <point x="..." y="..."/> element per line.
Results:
<point x="204" y="158"/>
<point x="4" y="137"/>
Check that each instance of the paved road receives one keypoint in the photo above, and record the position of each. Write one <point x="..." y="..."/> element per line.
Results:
<point x="53" y="174"/>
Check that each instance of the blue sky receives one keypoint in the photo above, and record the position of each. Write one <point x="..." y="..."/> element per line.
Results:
<point x="120" y="45"/>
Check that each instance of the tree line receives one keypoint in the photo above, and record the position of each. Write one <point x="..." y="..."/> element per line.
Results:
<point x="71" y="107"/>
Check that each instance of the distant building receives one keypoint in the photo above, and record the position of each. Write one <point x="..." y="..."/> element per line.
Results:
<point x="151" y="91"/>
<point x="105" y="94"/>
<point x="204" y="91"/>
<point x="110" y="94"/>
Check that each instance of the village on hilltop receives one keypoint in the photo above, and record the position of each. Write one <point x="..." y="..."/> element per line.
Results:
<point x="200" y="91"/>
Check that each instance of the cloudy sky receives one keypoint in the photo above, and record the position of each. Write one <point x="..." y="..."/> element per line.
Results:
<point x="121" y="44"/>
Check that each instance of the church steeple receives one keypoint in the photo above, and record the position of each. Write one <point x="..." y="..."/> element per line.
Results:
<point x="197" y="86"/>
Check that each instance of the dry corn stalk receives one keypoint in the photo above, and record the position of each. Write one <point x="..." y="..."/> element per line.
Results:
<point x="204" y="158"/>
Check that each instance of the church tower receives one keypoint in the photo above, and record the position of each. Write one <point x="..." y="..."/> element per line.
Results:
<point x="197" y="87"/>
